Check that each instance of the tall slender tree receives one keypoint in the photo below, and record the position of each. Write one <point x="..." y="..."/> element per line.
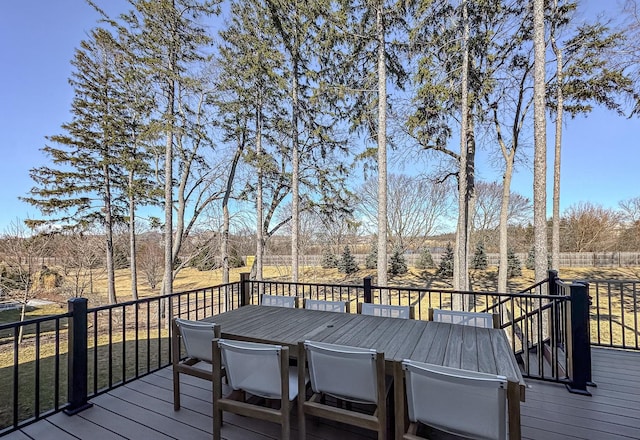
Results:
<point x="72" y="192"/>
<point x="169" y="41"/>
<point x="540" y="142"/>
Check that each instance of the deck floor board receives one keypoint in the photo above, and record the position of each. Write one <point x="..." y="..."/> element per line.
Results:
<point x="144" y="409"/>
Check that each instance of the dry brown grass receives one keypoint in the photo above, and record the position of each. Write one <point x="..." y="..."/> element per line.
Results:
<point x="481" y="281"/>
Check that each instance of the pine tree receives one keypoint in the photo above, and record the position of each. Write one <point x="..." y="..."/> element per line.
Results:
<point x="397" y="263"/>
<point x="329" y="259"/>
<point x="371" y="261"/>
<point x="445" y="269"/>
<point x="170" y="42"/>
<point x="347" y="264"/>
<point x="531" y="259"/>
<point x="514" y="268"/>
<point x="82" y="189"/>
<point x="480" y="257"/>
<point x="426" y="259"/>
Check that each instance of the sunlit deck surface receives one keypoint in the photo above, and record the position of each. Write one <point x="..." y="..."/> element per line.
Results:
<point x="143" y="409"/>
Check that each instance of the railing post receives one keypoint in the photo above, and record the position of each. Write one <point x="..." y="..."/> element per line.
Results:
<point x="244" y="289"/>
<point x="77" y="371"/>
<point x="552" y="277"/>
<point x="579" y="348"/>
<point x="367" y="289"/>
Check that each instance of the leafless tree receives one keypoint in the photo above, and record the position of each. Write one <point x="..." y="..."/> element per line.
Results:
<point x="82" y="260"/>
<point x="417" y="207"/>
<point x="22" y="251"/>
<point x="589" y="228"/>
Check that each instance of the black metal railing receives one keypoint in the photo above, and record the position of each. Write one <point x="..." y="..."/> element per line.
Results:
<point x="533" y="319"/>
<point x="615" y="313"/>
<point x="101" y="348"/>
<point x="64" y="360"/>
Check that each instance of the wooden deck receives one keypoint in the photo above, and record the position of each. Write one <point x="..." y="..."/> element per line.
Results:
<point x="144" y="409"/>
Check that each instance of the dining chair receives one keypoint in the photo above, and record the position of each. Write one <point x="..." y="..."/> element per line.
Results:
<point x="486" y="320"/>
<point x="278" y="300"/>
<point x="405" y="312"/>
<point x="460" y="402"/>
<point x="260" y="370"/>
<point x="196" y="336"/>
<point x="349" y="374"/>
<point x="327" y="306"/>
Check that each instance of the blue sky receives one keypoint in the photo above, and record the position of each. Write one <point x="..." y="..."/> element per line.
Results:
<point x="37" y="41"/>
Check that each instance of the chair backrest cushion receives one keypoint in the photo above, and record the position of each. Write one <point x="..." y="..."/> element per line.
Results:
<point x="459" y="401"/>
<point x="386" y="310"/>
<point x="252" y="367"/>
<point x="327" y="306"/>
<point x="464" y="318"/>
<point x="197" y="337"/>
<point x="345" y="372"/>
<point x="277" y="300"/>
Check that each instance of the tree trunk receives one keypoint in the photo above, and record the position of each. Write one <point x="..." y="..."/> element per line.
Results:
<point x="133" y="261"/>
<point x="460" y="267"/>
<point x="108" y="223"/>
<point x="295" y="159"/>
<point x="382" y="152"/>
<point x="555" y="229"/>
<point x="504" y="227"/>
<point x="224" y="251"/>
<point x="540" y="144"/>
<point x="259" y="196"/>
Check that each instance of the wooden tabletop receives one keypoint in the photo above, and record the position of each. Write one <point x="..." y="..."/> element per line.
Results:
<point x="458" y="346"/>
<point x="466" y="347"/>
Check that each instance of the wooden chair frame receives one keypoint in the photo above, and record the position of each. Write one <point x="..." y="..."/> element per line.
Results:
<point x="186" y="366"/>
<point x="495" y="318"/>
<point x="316" y="406"/>
<point x="281" y="416"/>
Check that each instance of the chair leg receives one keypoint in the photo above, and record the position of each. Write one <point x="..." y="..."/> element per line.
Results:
<point x="286" y="421"/>
<point x="176" y="390"/>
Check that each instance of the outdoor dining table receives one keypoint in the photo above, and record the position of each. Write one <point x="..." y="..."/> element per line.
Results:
<point x="452" y="345"/>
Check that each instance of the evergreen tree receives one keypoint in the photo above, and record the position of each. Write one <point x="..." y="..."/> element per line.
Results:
<point x="329" y="259"/>
<point x="397" y="263"/>
<point x="445" y="269"/>
<point x="480" y="257"/>
<point x="82" y="189"/>
<point x="531" y="259"/>
<point x="371" y="261"/>
<point x="514" y="268"/>
<point x="169" y="42"/>
<point x="426" y="259"/>
<point x="347" y="264"/>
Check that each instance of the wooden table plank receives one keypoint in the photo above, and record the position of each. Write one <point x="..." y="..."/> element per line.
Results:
<point x="454" y="345"/>
<point x="471" y="352"/>
<point x="407" y="346"/>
